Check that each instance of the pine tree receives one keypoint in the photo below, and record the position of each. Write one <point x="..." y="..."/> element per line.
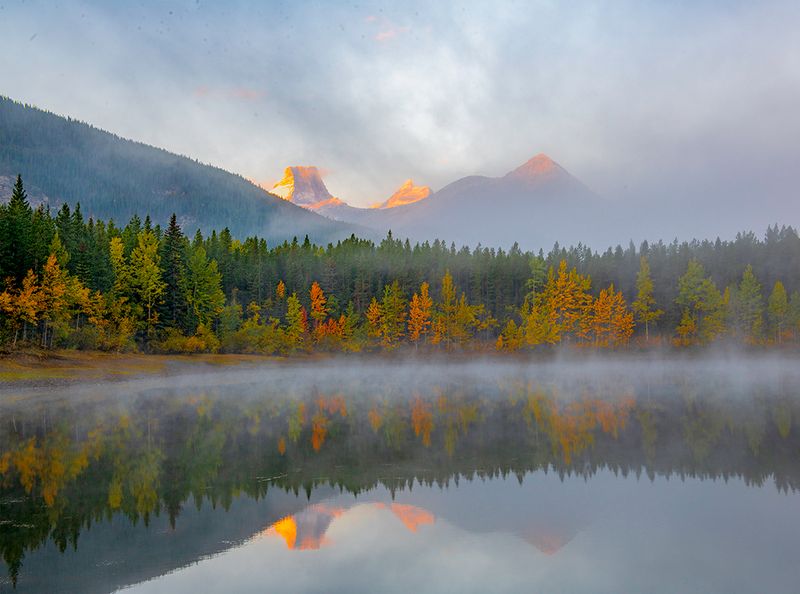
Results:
<point x="747" y="308"/>
<point x="16" y="236"/>
<point x="445" y="315"/>
<point x="393" y="314"/>
<point x="296" y="323"/>
<point x="202" y="287"/>
<point x="703" y="306"/>
<point x="173" y="248"/>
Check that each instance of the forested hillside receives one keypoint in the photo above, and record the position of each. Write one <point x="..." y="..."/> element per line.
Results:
<point x="67" y="281"/>
<point x="65" y="161"/>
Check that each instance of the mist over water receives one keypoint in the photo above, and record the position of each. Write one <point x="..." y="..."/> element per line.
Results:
<point x="595" y="473"/>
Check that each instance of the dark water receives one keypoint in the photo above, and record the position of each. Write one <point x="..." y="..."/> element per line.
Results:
<point x="595" y="476"/>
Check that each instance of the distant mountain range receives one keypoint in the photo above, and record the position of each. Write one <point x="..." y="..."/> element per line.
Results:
<point x="536" y="204"/>
<point x="63" y="160"/>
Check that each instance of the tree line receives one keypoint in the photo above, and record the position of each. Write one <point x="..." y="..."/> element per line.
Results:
<point x="71" y="282"/>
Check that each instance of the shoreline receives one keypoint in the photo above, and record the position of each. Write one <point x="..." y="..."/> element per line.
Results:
<point x="41" y="371"/>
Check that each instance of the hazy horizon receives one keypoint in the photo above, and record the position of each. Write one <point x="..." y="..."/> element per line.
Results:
<point x="647" y="105"/>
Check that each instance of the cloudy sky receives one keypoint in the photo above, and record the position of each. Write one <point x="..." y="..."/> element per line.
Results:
<point x="696" y="102"/>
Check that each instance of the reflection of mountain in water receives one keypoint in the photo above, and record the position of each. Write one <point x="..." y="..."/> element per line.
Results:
<point x="306" y="530"/>
<point x="129" y="474"/>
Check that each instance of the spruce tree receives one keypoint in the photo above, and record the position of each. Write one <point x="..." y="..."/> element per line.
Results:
<point x="173" y="263"/>
<point x="16" y="235"/>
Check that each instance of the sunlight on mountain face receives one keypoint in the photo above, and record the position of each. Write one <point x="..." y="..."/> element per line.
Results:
<point x="408" y="193"/>
<point x="303" y="186"/>
<point x="538" y="166"/>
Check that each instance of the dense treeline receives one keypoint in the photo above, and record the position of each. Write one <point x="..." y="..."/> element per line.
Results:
<point x="71" y="282"/>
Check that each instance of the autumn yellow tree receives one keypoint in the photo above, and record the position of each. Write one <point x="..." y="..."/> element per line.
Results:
<point x="22" y="307"/>
<point x="611" y="321"/>
<point x="562" y="310"/>
<point x="454" y="320"/>
<point x="510" y="339"/>
<point x="55" y="297"/>
<point x="569" y="299"/>
<point x="319" y="310"/>
<point x="374" y="318"/>
<point x="419" y="314"/>
<point x="140" y="277"/>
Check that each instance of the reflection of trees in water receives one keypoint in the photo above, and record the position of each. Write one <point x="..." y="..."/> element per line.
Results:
<point x="58" y="476"/>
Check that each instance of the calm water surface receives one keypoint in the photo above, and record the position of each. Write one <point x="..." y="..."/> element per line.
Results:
<point x="598" y="476"/>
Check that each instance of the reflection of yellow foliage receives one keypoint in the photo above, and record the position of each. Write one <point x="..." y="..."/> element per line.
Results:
<point x="375" y="420"/>
<point x="282" y="446"/>
<point x="450" y="437"/>
<point x="333" y="405"/>
<point x="571" y="429"/>
<point x="647" y="422"/>
<point x="783" y="419"/>
<point x="319" y="429"/>
<point x="115" y="493"/>
<point x="422" y="420"/>
<point x="52" y="464"/>
<point x="296" y="422"/>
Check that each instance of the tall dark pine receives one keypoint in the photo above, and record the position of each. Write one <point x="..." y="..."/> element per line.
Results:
<point x="16" y="235"/>
<point x="173" y="264"/>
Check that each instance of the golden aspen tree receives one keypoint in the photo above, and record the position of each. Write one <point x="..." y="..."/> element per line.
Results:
<point x="53" y="296"/>
<point x="419" y="315"/>
<point x="612" y="322"/>
<point x="455" y="319"/>
<point x="23" y="307"/>
<point x="145" y="277"/>
<point x="561" y="310"/>
<point x="374" y="318"/>
<point x="319" y="311"/>
<point x="621" y="320"/>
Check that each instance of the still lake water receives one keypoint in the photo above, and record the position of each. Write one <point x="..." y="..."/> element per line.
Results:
<point x="591" y="476"/>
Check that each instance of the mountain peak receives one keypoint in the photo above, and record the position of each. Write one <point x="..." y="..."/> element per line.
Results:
<point x="538" y="166"/>
<point x="303" y="186"/>
<point x="407" y="193"/>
